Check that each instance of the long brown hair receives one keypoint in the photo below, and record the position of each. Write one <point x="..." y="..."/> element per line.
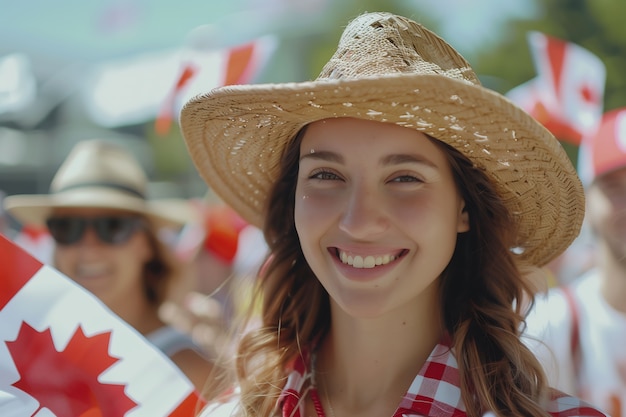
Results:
<point x="160" y="271"/>
<point x="481" y="290"/>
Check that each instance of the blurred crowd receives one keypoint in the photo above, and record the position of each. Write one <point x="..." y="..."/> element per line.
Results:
<point x="174" y="269"/>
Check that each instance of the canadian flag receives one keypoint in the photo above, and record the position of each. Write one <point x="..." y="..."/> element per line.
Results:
<point x="63" y="353"/>
<point x="202" y="71"/>
<point x="36" y="241"/>
<point x="567" y="94"/>
<point x="155" y="85"/>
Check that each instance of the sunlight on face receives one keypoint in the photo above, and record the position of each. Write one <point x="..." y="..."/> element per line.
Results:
<point x="377" y="213"/>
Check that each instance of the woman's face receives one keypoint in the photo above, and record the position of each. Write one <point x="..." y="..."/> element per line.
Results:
<point x="112" y="272"/>
<point x="606" y="211"/>
<point x="377" y="213"/>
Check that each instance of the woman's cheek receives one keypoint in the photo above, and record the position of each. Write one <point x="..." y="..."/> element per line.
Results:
<point x="314" y="204"/>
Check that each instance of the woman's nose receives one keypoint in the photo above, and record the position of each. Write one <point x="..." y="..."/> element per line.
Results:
<point x="90" y="238"/>
<point x="364" y="215"/>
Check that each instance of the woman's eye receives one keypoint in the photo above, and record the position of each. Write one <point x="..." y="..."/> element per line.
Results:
<point x="406" y="178"/>
<point x="324" y="175"/>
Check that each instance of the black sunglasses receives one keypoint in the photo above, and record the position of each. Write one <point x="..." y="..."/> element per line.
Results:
<point x="113" y="230"/>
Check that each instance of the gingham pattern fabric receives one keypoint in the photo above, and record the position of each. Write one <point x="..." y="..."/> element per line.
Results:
<point x="435" y="392"/>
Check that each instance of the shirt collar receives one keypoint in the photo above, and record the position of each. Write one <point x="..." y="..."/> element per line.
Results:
<point x="435" y="391"/>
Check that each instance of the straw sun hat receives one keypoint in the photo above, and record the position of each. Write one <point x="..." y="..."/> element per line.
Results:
<point x="98" y="174"/>
<point x="388" y="68"/>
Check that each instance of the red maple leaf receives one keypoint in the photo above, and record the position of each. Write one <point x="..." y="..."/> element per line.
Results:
<point x="66" y="382"/>
<point x="588" y="94"/>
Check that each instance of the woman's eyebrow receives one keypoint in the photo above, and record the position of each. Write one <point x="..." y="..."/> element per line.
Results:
<point x="323" y="155"/>
<point x="397" y="159"/>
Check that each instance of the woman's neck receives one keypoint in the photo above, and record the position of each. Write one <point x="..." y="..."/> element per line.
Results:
<point x="142" y="316"/>
<point x="368" y="364"/>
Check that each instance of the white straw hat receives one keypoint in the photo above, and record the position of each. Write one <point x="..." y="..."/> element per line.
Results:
<point x="388" y="68"/>
<point x="98" y="174"/>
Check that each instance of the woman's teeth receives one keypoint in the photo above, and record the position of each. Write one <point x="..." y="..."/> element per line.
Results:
<point x="90" y="270"/>
<point x="368" y="261"/>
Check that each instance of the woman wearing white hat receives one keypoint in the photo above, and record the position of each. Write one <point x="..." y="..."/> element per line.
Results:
<point x="402" y="203"/>
<point x="106" y="239"/>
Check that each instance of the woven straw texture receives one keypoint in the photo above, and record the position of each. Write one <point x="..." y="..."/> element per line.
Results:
<point x="390" y="69"/>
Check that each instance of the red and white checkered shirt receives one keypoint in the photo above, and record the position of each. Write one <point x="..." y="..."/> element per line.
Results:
<point x="435" y="392"/>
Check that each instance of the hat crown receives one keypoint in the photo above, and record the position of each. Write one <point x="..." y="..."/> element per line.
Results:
<point x="97" y="163"/>
<point x="378" y="44"/>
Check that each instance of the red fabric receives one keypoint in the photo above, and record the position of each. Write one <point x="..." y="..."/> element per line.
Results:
<point x="240" y="61"/>
<point x="16" y="270"/>
<point x="222" y="226"/>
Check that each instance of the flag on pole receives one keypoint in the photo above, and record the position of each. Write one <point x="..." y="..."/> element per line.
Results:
<point x="203" y="71"/>
<point x="162" y="81"/>
<point x="567" y="94"/>
<point x="163" y="121"/>
<point x="64" y="353"/>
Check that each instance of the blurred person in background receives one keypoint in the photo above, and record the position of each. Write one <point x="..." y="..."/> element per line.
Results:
<point x="223" y="253"/>
<point x="107" y="239"/>
<point x="578" y="329"/>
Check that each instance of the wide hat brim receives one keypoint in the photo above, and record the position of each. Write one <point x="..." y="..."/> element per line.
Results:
<point x="34" y="209"/>
<point x="236" y="136"/>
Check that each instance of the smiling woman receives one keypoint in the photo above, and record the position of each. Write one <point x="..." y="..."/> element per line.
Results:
<point x="391" y="191"/>
<point x="106" y="237"/>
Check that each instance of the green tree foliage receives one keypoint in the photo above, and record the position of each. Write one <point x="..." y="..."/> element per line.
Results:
<point x="597" y="25"/>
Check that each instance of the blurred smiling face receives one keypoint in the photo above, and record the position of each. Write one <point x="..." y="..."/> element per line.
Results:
<point x="377" y="212"/>
<point x="112" y="272"/>
<point x="606" y="210"/>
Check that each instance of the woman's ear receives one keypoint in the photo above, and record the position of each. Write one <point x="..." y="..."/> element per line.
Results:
<point x="463" y="219"/>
